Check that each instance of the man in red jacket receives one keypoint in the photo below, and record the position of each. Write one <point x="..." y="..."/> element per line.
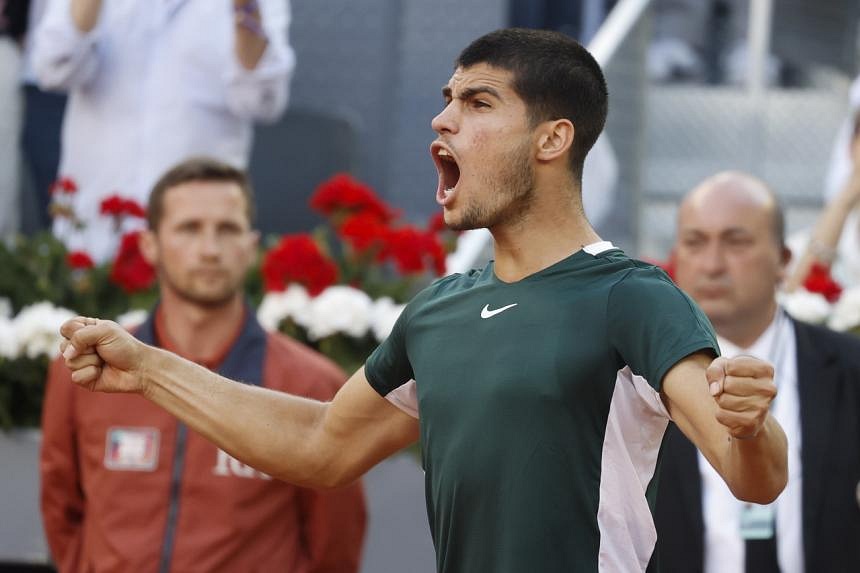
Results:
<point x="127" y="487"/>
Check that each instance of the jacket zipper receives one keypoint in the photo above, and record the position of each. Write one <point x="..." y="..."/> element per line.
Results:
<point x="173" y="500"/>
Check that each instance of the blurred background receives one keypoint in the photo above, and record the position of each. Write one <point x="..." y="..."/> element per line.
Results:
<point x="696" y="86"/>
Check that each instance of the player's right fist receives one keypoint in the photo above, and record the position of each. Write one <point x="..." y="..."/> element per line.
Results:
<point x="102" y="355"/>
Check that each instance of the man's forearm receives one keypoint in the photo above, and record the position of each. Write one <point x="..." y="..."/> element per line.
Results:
<point x="251" y="41"/>
<point x="823" y="243"/>
<point x="757" y="468"/>
<point x="271" y="431"/>
<point x="85" y="14"/>
<point x="298" y="440"/>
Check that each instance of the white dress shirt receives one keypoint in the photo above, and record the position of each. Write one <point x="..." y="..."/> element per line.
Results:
<point x="34" y="16"/>
<point x="152" y="84"/>
<point x="724" y="545"/>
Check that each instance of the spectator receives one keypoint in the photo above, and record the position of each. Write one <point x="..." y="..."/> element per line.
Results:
<point x="13" y="22"/>
<point x="841" y="164"/>
<point x="835" y="239"/>
<point x="150" y="82"/>
<point x="40" y="133"/>
<point x="126" y="486"/>
<point x="730" y="257"/>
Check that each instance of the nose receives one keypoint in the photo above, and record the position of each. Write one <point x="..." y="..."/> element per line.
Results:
<point x="210" y="245"/>
<point x="713" y="260"/>
<point x="446" y="120"/>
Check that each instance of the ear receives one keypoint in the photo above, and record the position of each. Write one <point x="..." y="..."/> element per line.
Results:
<point x="253" y="244"/>
<point x="785" y="256"/>
<point x="784" y="260"/>
<point x="555" y="138"/>
<point x="148" y="245"/>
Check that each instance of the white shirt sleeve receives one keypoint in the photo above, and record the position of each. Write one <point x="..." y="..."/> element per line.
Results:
<point x="405" y="397"/>
<point x="262" y="93"/>
<point x="63" y="56"/>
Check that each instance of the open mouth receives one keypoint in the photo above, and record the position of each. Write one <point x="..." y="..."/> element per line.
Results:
<point x="449" y="173"/>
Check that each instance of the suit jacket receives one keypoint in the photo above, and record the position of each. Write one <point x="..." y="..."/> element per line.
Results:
<point x="828" y="373"/>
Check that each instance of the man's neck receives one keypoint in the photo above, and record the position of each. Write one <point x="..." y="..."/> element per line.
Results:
<point x="744" y="334"/>
<point x="198" y="332"/>
<point x="548" y="233"/>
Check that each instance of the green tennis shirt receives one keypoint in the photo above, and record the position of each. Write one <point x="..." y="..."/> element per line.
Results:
<point x="539" y="408"/>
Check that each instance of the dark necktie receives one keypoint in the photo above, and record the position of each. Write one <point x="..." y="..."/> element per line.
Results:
<point x="761" y="555"/>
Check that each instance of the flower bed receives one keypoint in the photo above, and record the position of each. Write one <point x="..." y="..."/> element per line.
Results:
<point x="338" y="289"/>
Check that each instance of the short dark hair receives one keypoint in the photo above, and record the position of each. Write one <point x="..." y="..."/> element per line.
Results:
<point x="197" y="169"/>
<point x="554" y="75"/>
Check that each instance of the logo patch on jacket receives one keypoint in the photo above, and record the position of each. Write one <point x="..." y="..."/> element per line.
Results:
<point x="132" y="449"/>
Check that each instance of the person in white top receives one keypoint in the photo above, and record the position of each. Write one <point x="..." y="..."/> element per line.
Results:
<point x="730" y="257"/>
<point x="834" y="241"/>
<point x="152" y="82"/>
<point x="10" y="111"/>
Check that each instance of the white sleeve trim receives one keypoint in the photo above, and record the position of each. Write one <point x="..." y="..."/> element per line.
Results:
<point x="405" y="397"/>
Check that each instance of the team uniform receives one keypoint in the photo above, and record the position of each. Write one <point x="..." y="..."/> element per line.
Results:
<point x="126" y="487"/>
<point x="540" y="415"/>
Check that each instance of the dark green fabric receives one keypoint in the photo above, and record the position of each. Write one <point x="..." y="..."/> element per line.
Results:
<point x="513" y="408"/>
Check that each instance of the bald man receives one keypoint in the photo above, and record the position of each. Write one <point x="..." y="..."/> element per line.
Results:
<point x="730" y="257"/>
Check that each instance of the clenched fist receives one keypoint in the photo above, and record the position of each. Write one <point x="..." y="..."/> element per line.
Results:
<point x="743" y="389"/>
<point x="102" y="355"/>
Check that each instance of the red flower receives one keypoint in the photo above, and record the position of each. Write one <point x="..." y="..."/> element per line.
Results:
<point x="130" y="270"/>
<point x="819" y="280"/>
<point x="63" y="185"/>
<point x="134" y="209"/>
<point x="362" y="231"/>
<point x="437" y="255"/>
<point x="343" y="193"/>
<point x="118" y="206"/>
<point x="79" y="260"/>
<point x="414" y="251"/>
<point x="112" y="205"/>
<point x="298" y="259"/>
<point x="436" y="223"/>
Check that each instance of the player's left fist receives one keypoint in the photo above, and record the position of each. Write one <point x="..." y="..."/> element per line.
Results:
<point x="743" y="389"/>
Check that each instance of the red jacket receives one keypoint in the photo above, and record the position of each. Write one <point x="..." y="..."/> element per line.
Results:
<point x="127" y="488"/>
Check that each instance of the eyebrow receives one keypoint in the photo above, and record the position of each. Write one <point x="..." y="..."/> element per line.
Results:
<point x="731" y="231"/>
<point x="736" y="231"/>
<point x="471" y="92"/>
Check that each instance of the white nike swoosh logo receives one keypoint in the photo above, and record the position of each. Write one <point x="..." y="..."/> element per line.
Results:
<point x="487" y="313"/>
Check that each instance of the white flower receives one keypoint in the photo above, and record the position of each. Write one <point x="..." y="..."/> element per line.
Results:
<point x="806" y="306"/>
<point x="846" y="311"/>
<point x="8" y="342"/>
<point x="385" y="314"/>
<point x="132" y="318"/>
<point x="269" y="313"/>
<point x="37" y="329"/>
<point x="5" y="308"/>
<point x="278" y="306"/>
<point x="338" y="309"/>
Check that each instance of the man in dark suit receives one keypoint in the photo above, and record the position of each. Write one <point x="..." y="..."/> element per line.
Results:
<point x="730" y="257"/>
